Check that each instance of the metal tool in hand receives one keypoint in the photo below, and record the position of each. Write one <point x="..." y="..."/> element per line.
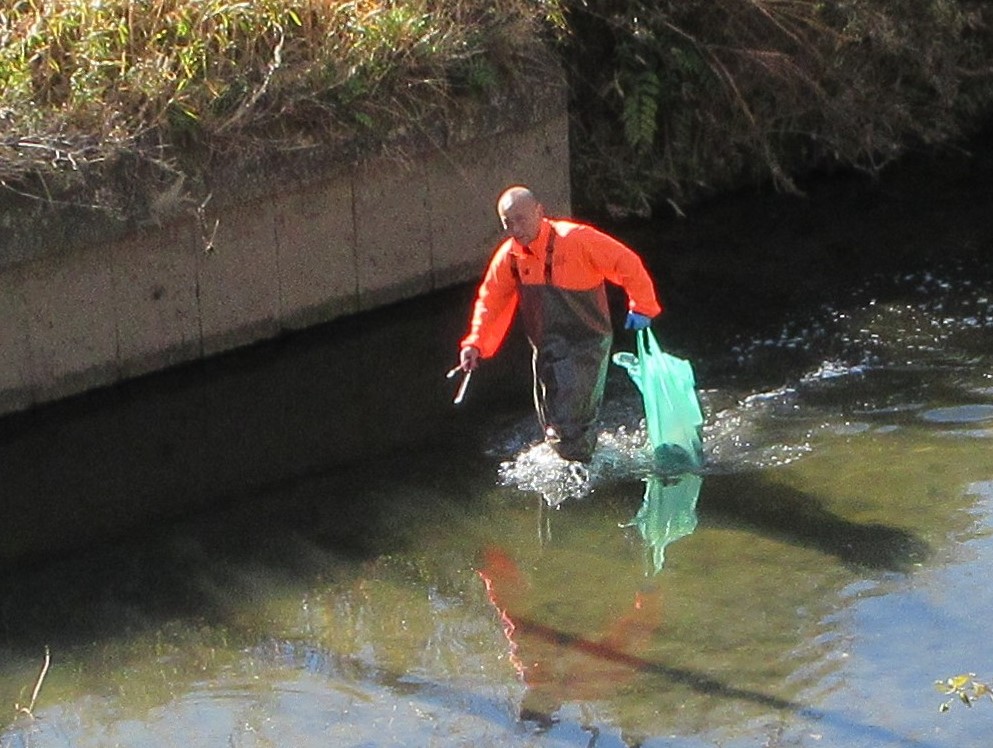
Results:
<point x="463" y="386"/>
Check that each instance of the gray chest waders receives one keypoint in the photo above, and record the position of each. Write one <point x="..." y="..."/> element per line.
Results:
<point x="570" y="336"/>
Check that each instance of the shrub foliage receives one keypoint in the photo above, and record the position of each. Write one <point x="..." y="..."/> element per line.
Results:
<point x="718" y="93"/>
<point x="670" y="100"/>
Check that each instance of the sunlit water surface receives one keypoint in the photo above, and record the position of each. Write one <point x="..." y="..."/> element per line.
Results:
<point x="806" y="589"/>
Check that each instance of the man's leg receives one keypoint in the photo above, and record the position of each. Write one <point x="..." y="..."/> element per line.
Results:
<point x="568" y="392"/>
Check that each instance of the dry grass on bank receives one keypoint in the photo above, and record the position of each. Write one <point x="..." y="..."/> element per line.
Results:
<point x="82" y="81"/>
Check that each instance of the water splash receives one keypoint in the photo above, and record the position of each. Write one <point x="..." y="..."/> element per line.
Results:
<point x="540" y="469"/>
<point x="619" y="453"/>
<point x="763" y="430"/>
<point x="865" y="365"/>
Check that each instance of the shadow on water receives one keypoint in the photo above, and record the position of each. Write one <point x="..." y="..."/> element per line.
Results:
<point x="175" y="524"/>
<point x="336" y="524"/>
<point x="752" y="501"/>
<point x="545" y="720"/>
<point x="94" y="468"/>
<point x="543" y="715"/>
<point x="332" y="522"/>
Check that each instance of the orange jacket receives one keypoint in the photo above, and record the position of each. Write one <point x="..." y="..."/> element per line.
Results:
<point x="584" y="257"/>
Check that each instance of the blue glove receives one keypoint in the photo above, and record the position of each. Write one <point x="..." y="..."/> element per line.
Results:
<point x="637" y="321"/>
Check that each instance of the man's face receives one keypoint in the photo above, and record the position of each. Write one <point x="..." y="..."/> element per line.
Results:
<point x="521" y="219"/>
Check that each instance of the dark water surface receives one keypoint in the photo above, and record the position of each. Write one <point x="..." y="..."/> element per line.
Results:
<point x="342" y="558"/>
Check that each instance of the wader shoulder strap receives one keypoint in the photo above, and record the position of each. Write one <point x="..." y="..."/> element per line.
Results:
<point x="548" y="257"/>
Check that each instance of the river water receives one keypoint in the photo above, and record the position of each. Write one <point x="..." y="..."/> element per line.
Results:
<point x="459" y="586"/>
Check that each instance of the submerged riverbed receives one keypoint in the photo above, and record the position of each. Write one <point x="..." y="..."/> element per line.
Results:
<point x="805" y="589"/>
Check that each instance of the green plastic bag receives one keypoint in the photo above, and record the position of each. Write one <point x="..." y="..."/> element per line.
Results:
<point x="672" y="411"/>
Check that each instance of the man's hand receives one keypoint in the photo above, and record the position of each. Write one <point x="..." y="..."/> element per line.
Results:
<point x="636" y="321"/>
<point x="469" y="358"/>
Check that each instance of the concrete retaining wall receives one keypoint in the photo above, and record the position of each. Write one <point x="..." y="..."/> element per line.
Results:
<point x="93" y="316"/>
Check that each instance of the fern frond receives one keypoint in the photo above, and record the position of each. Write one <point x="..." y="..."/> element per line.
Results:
<point x="640" y="110"/>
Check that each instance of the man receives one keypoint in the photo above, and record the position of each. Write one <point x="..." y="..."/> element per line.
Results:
<point x="555" y="271"/>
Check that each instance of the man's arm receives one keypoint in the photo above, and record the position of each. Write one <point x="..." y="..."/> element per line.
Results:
<point x="622" y="266"/>
<point x="493" y="311"/>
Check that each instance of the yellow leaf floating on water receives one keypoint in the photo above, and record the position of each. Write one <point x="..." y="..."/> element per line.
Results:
<point x="965" y="687"/>
<point x="956" y="683"/>
<point x="961" y="681"/>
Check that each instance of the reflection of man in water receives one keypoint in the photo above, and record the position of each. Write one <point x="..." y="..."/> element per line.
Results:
<point x="557" y="665"/>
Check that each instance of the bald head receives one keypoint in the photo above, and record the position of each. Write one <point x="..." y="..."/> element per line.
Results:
<point x="520" y="213"/>
<point x="517" y="195"/>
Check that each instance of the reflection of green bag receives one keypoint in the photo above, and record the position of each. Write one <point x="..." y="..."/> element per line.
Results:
<point x="672" y="410"/>
<point x="667" y="513"/>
